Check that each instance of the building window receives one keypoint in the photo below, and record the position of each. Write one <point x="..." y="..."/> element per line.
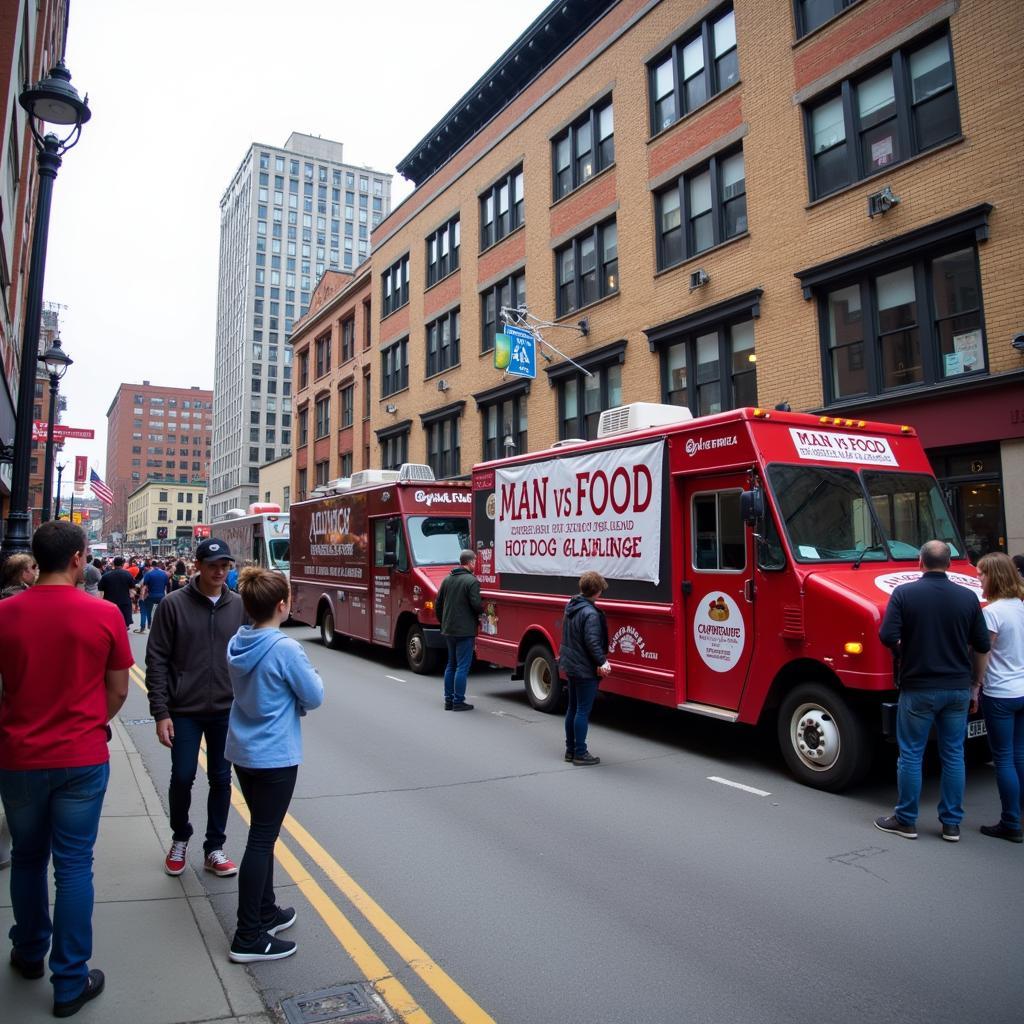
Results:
<point x="323" y="355"/>
<point x="304" y="369"/>
<point x="712" y="369"/>
<point x="693" y="69"/>
<point x="584" y="148"/>
<point x="443" y="251"/>
<point x="323" y="416"/>
<point x="501" y="208"/>
<point x="395" y="285"/>
<point x="301" y="483"/>
<point x="346" y="464"/>
<point x="915" y="324"/>
<point x="443" y="343"/>
<point x="367" y="395"/>
<point x="443" y="446"/>
<point x="394" y="368"/>
<point x="703" y="208"/>
<point x="810" y="14"/>
<point x="394" y="449"/>
<point x="348" y="396"/>
<point x="893" y="112"/>
<point x="587" y="269"/>
<point x="507" y="293"/>
<point x="582" y="397"/>
<point x="504" y="420"/>
<point x="323" y="472"/>
<point x="348" y="339"/>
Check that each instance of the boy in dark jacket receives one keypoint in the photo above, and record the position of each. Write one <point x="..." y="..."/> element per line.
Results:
<point x="458" y="608"/>
<point x="583" y="660"/>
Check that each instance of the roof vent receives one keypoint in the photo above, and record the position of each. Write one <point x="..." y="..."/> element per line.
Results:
<point x="415" y="471"/>
<point x="369" y="477"/>
<point x="640" y="416"/>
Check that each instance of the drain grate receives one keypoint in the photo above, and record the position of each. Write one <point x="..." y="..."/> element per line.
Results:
<point x="354" y="1004"/>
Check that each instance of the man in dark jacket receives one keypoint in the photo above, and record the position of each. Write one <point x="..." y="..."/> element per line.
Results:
<point x="933" y="626"/>
<point x="190" y="697"/>
<point x="582" y="658"/>
<point x="116" y="587"/>
<point x="458" y="609"/>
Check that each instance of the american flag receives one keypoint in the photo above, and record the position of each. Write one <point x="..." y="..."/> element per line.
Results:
<point x="100" y="489"/>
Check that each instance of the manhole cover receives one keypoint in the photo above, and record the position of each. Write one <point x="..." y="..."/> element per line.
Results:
<point x="355" y="1004"/>
<point x="137" y="721"/>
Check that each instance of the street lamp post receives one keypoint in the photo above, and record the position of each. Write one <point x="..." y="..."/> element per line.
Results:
<point x="56" y="362"/>
<point x="53" y="100"/>
<point x="56" y="500"/>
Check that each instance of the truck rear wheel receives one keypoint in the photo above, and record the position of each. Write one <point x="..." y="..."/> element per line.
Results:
<point x="422" y="659"/>
<point x="328" y="634"/>
<point x="540" y="675"/>
<point x="823" y="741"/>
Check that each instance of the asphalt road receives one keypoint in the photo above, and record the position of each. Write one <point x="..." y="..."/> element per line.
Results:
<point x="636" y="891"/>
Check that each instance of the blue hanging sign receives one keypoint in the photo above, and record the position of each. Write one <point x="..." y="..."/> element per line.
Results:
<point x="515" y="352"/>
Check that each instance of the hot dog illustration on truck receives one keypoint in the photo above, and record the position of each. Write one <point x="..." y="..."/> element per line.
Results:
<point x="749" y="554"/>
<point x="368" y="556"/>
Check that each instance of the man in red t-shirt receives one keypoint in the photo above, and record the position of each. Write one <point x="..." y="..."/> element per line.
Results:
<point x="54" y="764"/>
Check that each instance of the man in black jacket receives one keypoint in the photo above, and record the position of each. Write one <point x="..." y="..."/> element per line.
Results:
<point x="582" y="658"/>
<point x="458" y="609"/>
<point x="190" y="697"/>
<point x="933" y="626"/>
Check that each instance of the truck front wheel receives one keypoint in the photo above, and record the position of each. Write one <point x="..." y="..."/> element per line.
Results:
<point x="328" y="634"/>
<point x="540" y="674"/>
<point x="418" y="656"/>
<point x="823" y="741"/>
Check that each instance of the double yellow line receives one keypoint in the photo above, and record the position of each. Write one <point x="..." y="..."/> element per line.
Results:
<point x="394" y="993"/>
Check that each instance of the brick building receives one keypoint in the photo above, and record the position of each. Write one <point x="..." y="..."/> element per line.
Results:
<point x="694" y="180"/>
<point x="155" y="433"/>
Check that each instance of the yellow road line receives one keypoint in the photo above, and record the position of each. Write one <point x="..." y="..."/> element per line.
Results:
<point x="465" y="1008"/>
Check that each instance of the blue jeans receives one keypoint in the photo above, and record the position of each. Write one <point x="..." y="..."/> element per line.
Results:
<point x="577" y="716"/>
<point x="1004" y="718"/>
<point x="188" y="732"/>
<point x="144" y="610"/>
<point x="55" y="810"/>
<point x="918" y="711"/>
<point x="456" y="672"/>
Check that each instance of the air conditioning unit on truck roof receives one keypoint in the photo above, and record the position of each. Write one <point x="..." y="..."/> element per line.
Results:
<point x="408" y="471"/>
<point x="640" y="416"/>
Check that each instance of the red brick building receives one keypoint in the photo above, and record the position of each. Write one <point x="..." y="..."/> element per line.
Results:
<point x="154" y="433"/>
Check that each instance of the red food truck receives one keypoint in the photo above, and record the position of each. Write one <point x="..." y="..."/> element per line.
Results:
<point x="749" y="555"/>
<point x="368" y="556"/>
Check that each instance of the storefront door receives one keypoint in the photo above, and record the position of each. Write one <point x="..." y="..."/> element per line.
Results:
<point x="972" y="481"/>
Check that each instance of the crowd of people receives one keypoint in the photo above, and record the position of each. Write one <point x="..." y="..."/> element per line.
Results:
<point x="217" y="667"/>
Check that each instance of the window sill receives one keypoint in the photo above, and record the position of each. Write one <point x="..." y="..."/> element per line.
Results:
<point x="441" y="280"/>
<point x="390" y="395"/>
<point x="579" y="188"/>
<point x="948" y="144"/>
<point x="895" y="396"/>
<point x="438" y="373"/>
<point x="395" y="310"/>
<point x="704" y="252"/>
<point x="661" y="133"/>
<point x="590" y="305"/>
<point x="504" y="238"/>
<point x="824" y="25"/>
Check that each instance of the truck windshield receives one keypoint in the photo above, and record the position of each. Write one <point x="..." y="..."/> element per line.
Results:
<point x="834" y="515"/>
<point x="437" y="540"/>
<point x="279" y="553"/>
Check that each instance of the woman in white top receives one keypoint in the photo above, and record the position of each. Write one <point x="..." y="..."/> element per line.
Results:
<point x="1003" y="688"/>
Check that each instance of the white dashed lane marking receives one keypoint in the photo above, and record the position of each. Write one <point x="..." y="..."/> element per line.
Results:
<point x="738" y="785"/>
<point x="396" y="679"/>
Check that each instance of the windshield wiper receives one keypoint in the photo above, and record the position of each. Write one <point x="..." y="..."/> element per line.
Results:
<point x="860" y="556"/>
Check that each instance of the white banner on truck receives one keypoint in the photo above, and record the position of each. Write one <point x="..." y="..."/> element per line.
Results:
<point x="599" y="512"/>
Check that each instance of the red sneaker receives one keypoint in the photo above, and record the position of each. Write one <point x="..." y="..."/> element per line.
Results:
<point x="174" y="864"/>
<point x="219" y="864"/>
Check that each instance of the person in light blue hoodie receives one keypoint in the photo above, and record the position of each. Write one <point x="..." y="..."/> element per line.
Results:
<point x="274" y="685"/>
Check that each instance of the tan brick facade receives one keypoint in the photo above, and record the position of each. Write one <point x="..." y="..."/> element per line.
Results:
<point x="788" y="231"/>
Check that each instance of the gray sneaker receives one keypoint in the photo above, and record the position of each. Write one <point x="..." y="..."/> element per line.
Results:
<point x="890" y="823"/>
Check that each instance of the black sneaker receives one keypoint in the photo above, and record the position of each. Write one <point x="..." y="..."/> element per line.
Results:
<point x="266" y="947"/>
<point x="28" y="969"/>
<point x="1000" y="831"/>
<point x="93" y="987"/>
<point x="951" y="833"/>
<point x="569" y="756"/>
<point x="890" y="823"/>
<point x="284" y="918"/>
<point x="462" y="707"/>
<point x="586" y="759"/>
<point x="447" y="705"/>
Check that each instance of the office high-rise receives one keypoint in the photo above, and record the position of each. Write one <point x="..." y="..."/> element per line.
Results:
<point x="289" y="214"/>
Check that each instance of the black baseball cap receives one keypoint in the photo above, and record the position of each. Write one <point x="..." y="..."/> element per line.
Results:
<point x="213" y="550"/>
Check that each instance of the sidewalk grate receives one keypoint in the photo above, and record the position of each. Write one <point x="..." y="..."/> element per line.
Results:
<point x="354" y="1004"/>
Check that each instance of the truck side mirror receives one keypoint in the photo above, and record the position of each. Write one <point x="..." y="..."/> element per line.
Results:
<point x="752" y="506"/>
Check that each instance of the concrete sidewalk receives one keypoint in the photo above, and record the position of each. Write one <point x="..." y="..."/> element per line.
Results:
<point x="156" y="938"/>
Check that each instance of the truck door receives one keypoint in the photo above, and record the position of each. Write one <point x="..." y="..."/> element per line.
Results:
<point x="389" y="556"/>
<point x="718" y="591"/>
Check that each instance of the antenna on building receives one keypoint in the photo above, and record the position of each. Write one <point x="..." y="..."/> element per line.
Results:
<point x="520" y="316"/>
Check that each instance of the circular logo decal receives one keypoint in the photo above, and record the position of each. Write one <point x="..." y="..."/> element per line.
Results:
<point x="491" y="506"/>
<point x="888" y="582"/>
<point x="215" y="547"/>
<point x="718" y="632"/>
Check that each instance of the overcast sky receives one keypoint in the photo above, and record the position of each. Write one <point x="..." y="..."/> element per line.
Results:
<point x="178" y="92"/>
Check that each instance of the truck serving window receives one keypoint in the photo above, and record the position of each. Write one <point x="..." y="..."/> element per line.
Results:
<point x="911" y="510"/>
<point x="279" y="553"/>
<point x="437" y="540"/>
<point x="719" y="542"/>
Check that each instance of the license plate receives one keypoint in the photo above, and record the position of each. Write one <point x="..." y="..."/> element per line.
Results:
<point x="976" y="728"/>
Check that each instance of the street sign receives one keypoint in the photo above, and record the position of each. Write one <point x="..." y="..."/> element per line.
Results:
<point x="515" y="352"/>
<point x="61" y="432"/>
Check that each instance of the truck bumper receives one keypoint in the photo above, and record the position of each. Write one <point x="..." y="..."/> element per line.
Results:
<point x="432" y="637"/>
